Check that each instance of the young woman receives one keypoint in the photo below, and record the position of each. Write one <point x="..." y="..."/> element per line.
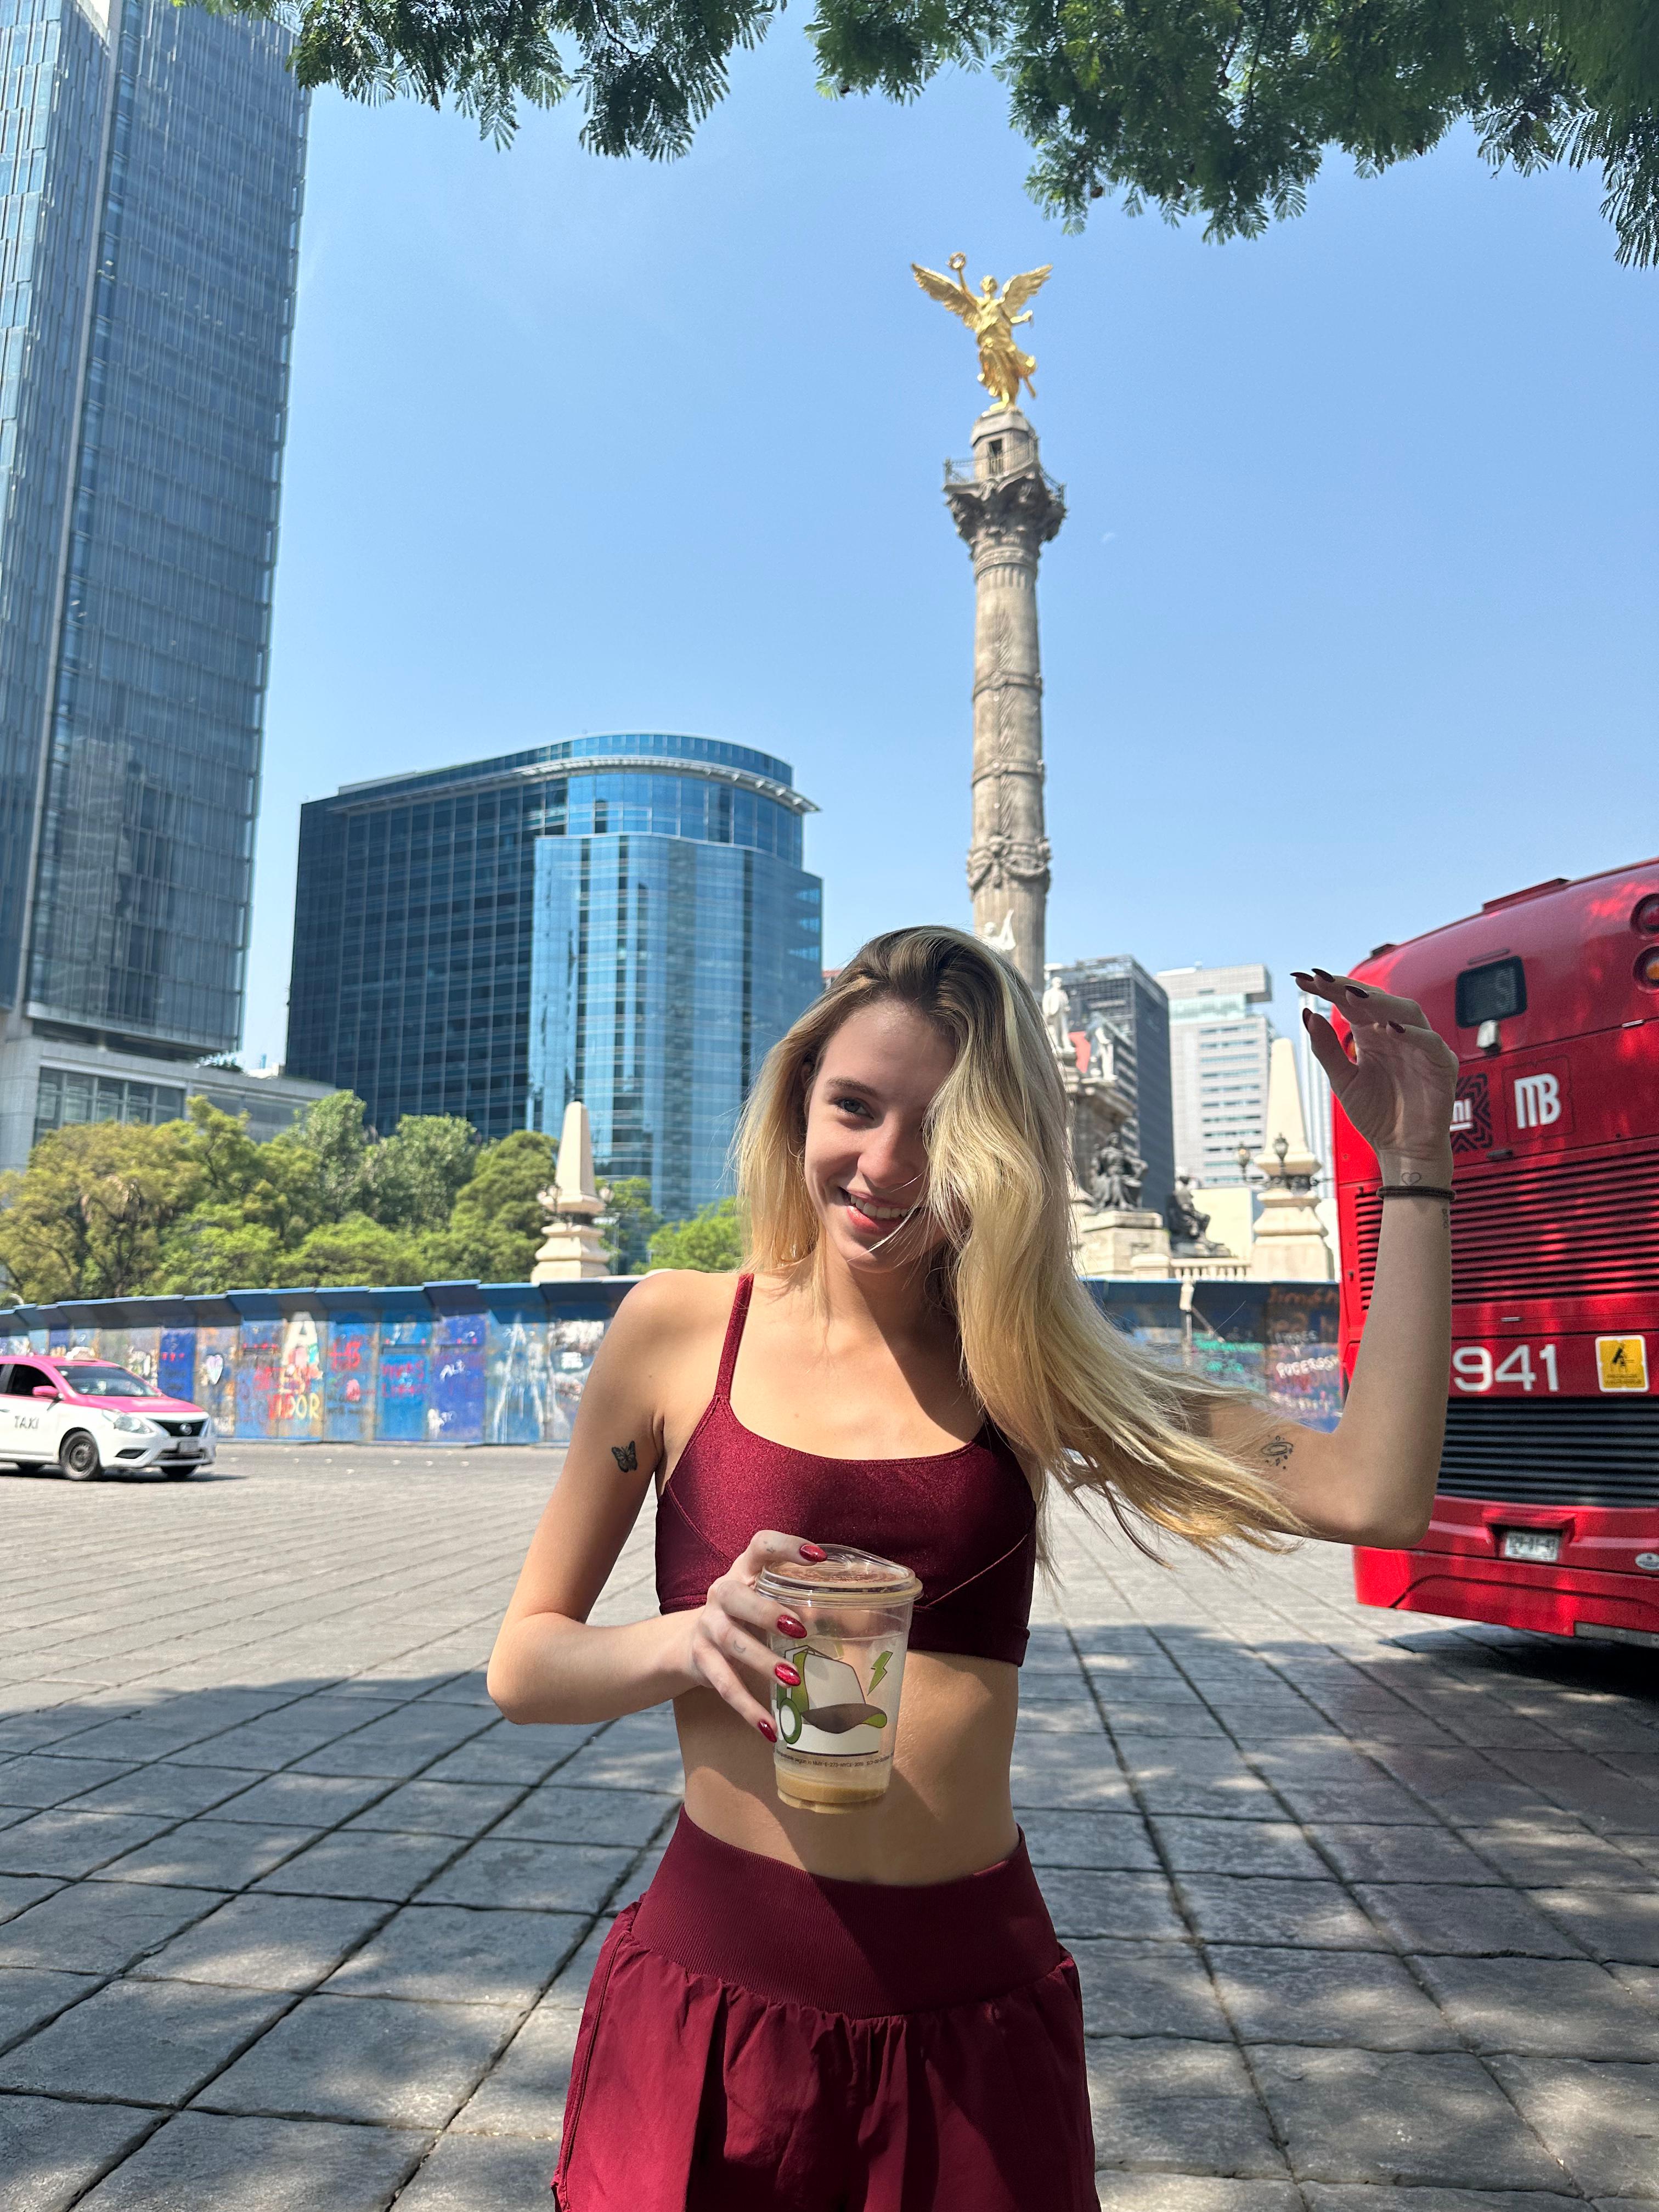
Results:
<point x="869" y="2012"/>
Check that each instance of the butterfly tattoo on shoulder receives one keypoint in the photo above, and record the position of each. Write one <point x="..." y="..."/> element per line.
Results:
<point x="625" y="1456"/>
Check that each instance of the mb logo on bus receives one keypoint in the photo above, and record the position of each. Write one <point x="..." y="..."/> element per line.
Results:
<point x="1537" y="1100"/>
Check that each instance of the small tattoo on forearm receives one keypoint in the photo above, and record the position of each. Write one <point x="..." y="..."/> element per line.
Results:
<point x="1277" y="1450"/>
<point x="625" y="1456"/>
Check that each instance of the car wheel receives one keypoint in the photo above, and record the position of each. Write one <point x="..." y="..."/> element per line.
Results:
<point x="78" y="1456"/>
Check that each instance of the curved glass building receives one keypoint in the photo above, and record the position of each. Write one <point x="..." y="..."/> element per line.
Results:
<point x="624" y="920"/>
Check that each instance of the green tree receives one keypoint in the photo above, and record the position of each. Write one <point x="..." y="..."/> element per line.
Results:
<point x="231" y="1161"/>
<point x="1218" y="108"/>
<point x="85" y="1218"/>
<point x="321" y="1170"/>
<point x="628" y="1225"/>
<point x="334" y="1136"/>
<point x="416" y="1173"/>
<point x="355" y="1250"/>
<point x="215" y="1248"/>
<point x="712" y="1241"/>
<point x="497" y="1221"/>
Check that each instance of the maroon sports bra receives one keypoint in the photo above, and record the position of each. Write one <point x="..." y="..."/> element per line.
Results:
<point x="963" y="1521"/>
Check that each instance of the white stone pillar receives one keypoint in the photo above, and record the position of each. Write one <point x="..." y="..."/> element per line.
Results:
<point x="1008" y="509"/>
<point x="572" y="1250"/>
<point x="1290" y="1244"/>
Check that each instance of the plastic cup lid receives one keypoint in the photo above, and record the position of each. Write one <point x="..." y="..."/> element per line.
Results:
<point x="842" y="1573"/>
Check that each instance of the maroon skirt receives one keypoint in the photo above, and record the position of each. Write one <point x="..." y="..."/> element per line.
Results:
<point x="757" y="2038"/>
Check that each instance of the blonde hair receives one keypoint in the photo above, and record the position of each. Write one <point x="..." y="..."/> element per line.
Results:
<point x="1081" y="1405"/>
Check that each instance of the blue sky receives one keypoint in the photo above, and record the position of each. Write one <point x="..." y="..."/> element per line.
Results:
<point x="1351" y="625"/>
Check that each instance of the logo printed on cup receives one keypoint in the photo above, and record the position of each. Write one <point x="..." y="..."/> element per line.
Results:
<point x="836" y="1726"/>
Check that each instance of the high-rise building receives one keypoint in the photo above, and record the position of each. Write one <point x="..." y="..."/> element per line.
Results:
<point x="1135" y="1009"/>
<point x="151" y="168"/>
<point x="621" y="920"/>
<point x="1317" y="1099"/>
<point x="1219" y="1055"/>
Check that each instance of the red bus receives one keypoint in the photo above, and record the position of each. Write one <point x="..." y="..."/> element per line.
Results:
<point x="1546" y="1514"/>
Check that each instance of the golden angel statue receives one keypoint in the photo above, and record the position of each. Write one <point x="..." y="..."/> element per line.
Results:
<point x="991" y="315"/>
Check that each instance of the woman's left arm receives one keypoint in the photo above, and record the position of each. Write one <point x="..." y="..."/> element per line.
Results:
<point x="1371" y="1480"/>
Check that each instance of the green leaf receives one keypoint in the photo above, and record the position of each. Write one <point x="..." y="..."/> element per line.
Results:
<point x="1219" y="110"/>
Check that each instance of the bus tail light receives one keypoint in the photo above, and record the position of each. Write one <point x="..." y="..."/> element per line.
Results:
<point x="1646" y="916"/>
<point x="1647" y="967"/>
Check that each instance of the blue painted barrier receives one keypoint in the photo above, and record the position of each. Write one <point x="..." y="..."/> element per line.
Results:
<point x="505" y="1363"/>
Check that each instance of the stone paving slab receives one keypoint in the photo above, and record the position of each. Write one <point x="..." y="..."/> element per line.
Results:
<point x="389" y="1868"/>
<point x="270" y="1942"/>
<point x="148" y="2042"/>
<point x="1348" y="1998"/>
<point x="480" y="2173"/>
<point x="53" y="2151"/>
<point x="458" y="1955"/>
<point x="1365" y="1909"/>
<point x="199" y="2162"/>
<point x="99" y="1927"/>
<point x="408" y="2065"/>
<point x="1400" y="2117"/>
<point x="1184" y="2106"/>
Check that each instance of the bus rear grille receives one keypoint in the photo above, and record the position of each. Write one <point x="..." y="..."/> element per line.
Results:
<point x="1568" y="1228"/>
<point x="1571" y="1451"/>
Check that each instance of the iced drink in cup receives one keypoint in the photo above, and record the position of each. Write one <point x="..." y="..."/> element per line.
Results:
<point x="835" y="1728"/>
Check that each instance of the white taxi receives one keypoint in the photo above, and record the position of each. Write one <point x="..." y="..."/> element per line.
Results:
<point x="89" y="1417"/>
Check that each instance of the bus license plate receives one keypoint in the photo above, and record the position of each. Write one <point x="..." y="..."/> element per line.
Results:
<point x="1540" y="1544"/>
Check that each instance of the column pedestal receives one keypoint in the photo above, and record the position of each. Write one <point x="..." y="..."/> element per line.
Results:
<point x="1117" y="1241"/>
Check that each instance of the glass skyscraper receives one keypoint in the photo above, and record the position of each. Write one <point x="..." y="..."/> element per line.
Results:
<point x="1118" y="991"/>
<point x="624" y="920"/>
<point x="151" y="170"/>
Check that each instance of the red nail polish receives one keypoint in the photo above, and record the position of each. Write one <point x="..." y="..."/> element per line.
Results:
<point x="767" y="1730"/>
<point x="786" y="1674"/>
<point x="788" y="1625"/>
<point x="813" y="1552"/>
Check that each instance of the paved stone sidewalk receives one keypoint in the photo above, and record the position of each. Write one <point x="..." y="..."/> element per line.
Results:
<point x="293" y="1923"/>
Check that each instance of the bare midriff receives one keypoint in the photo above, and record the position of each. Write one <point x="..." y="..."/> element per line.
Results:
<point x="946" y="1812"/>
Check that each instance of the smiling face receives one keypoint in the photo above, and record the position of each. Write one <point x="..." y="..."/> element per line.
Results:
<point x="866" y="1160"/>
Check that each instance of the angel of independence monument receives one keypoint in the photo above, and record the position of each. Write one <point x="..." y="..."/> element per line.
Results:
<point x="1007" y="507"/>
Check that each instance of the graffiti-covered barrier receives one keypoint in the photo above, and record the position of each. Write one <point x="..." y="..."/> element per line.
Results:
<point x="1278" y="1338"/>
<point x="443" y="1364"/>
<point x="505" y="1363"/>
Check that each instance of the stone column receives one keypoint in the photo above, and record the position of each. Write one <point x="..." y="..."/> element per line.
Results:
<point x="1008" y="509"/>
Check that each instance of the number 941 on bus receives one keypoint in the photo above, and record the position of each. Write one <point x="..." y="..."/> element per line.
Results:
<point x="1477" y="1368"/>
<point x="1575" y="1366"/>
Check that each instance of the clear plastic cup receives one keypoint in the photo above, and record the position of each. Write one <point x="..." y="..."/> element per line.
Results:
<point x="837" y="1729"/>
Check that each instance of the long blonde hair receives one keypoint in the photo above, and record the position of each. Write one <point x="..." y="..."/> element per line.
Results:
<point x="1081" y="1405"/>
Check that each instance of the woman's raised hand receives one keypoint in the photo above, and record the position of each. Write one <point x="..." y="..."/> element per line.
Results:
<point x="729" y="1629"/>
<point x="1398" y="1089"/>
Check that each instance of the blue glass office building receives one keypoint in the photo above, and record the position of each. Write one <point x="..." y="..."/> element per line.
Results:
<point x="624" y="920"/>
<point x="151" y="170"/>
<point x="1118" y="991"/>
